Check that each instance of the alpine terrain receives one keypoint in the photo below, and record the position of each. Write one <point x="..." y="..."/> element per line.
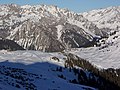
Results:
<point x="43" y="47"/>
<point x="47" y="28"/>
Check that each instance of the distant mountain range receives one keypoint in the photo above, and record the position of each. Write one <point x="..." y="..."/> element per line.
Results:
<point x="105" y="18"/>
<point x="49" y="28"/>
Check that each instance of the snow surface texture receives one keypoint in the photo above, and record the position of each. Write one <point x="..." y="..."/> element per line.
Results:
<point x="38" y="69"/>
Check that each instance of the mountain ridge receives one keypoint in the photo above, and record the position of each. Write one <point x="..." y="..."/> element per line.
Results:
<point x="108" y="17"/>
<point x="48" y="28"/>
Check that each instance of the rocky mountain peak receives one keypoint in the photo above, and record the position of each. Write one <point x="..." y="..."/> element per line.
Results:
<point x="49" y="28"/>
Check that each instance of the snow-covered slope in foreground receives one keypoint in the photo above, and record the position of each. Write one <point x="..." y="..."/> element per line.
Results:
<point x="34" y="70"/>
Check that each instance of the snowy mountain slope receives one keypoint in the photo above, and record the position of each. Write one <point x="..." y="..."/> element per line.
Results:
<point x="35" y="27"/>
<point x="105" y="56"/>
<point x="105" y="18"/>
<point x="26" y="70"/>
<point x="48" y="28"/>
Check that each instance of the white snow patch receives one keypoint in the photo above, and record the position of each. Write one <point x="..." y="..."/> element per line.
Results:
<point x="59" y="30"/>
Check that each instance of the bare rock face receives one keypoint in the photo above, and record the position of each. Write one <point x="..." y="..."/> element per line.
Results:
<point x="47" y="28"/>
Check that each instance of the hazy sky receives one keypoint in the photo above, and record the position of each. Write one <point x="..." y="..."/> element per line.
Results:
<point x="74" y="5"/>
